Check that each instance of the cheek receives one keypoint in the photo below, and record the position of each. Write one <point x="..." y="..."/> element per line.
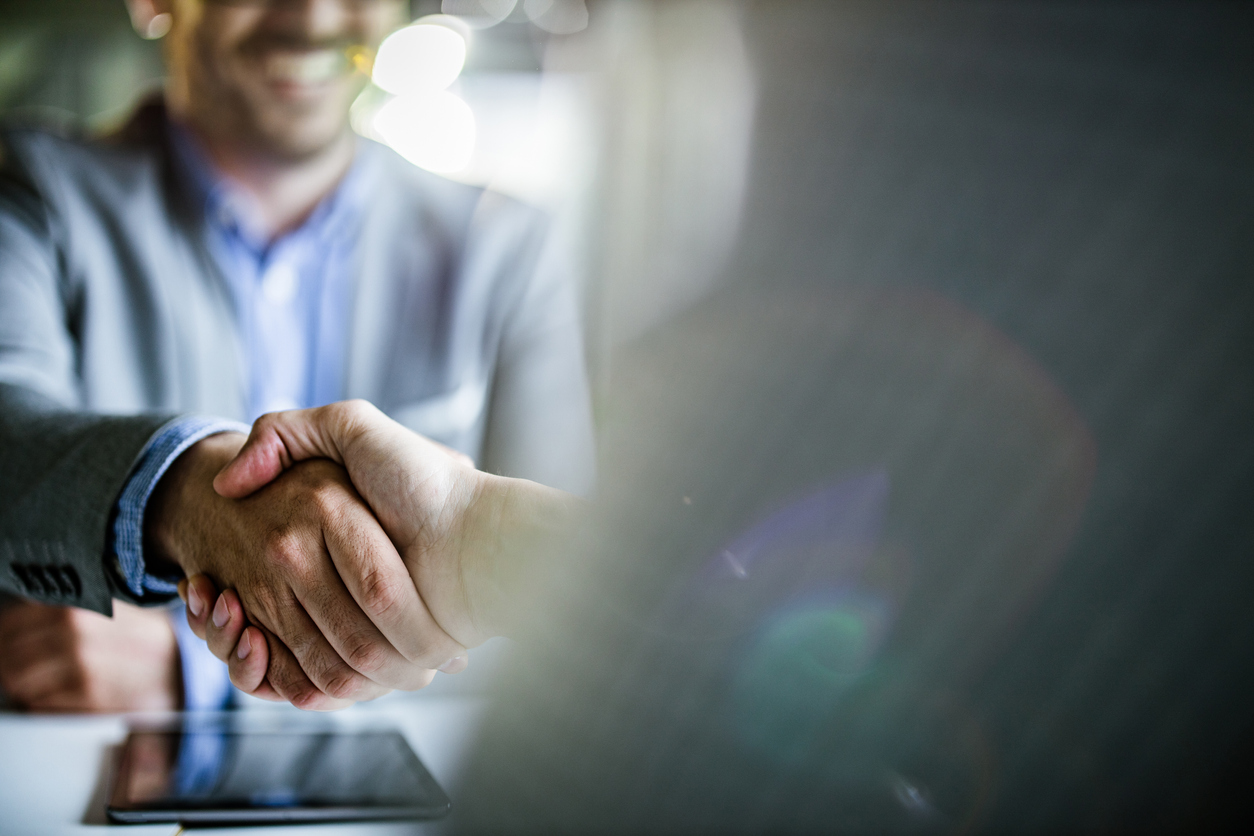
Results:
<point x="218" y="36"/>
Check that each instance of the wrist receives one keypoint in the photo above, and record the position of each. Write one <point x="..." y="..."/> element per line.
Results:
<point x="180" y="497"/>
<point x="515" y="532"/>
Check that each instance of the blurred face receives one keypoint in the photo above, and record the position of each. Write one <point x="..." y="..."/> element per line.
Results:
<point x="274" y="76"/>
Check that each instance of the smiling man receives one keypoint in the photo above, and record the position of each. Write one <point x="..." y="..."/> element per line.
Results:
<point x="236" y="250"/>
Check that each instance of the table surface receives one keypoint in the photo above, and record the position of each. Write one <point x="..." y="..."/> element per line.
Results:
<point x="55" y="770"/>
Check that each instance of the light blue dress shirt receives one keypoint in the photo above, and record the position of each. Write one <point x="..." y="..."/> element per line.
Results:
<point x="292" y="297"/>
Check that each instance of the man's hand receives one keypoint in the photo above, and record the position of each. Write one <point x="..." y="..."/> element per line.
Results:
<point x="67" y="659"/>
<point x="317" y="575"/>
<point x="467" y="537"/>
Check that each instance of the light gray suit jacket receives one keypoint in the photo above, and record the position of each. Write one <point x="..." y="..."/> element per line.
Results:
<point x="114" y="318"/>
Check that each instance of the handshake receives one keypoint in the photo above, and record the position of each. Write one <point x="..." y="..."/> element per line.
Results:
<point x="353" y="556"/>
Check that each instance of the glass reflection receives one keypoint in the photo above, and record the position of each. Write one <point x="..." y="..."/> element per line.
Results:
<point x="222" y="763"/>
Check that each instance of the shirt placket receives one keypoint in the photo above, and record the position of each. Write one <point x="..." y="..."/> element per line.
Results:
<point x="283" y="371"/>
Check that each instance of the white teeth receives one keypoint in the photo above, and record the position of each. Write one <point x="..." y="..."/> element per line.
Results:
<point x="304" y="67"/>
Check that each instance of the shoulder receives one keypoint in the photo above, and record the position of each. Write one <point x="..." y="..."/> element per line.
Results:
<point x="59" y="165"/>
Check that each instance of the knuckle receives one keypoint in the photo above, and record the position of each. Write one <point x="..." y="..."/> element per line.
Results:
<point x="285" y="548"/>
<point x="328" y="498"/>
<point x="343" y="686"/>
<point x="263" y="598"/>
<point x="365" y="654"/>
<point x="381" y="593"/>
<point x="354" y="410"/>
<point x="322" y="665"/>
<point x="290" y="684"/>
<point x="306" y="698"/>
<point x="304" y="649"/>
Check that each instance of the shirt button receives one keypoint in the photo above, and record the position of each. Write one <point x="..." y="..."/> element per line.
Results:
<point x="278" y="283"/>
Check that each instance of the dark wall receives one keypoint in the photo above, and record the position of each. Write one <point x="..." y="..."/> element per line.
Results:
<point x="1082" y="176"/>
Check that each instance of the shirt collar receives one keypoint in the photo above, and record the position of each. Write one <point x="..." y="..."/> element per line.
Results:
<point x="231" y="210"/>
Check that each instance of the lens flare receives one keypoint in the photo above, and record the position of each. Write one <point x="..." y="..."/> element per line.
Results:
<point x="435" y="131"/>
<point x="797" y="669"/>
<point x="422" y="58"/>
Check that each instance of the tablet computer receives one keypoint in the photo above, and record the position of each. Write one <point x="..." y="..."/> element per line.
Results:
<point x="232" y="776"/>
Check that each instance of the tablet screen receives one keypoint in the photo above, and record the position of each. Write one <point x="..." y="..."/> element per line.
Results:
<point x="225" y="775"/>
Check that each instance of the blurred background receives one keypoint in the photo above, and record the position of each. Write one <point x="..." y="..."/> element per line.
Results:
<point x="922" y="339"/>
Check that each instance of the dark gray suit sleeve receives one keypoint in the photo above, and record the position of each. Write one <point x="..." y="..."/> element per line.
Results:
<point x="62" y="468"/>
<point x="540" y="419"/>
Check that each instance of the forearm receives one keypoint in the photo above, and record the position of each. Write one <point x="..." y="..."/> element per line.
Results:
<point x="517" y="534"/>
<point x="64" y="470"/>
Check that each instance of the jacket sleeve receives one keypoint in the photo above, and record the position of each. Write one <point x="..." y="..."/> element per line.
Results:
<point x="62" y="467"/>
<point x="540" y="419"/>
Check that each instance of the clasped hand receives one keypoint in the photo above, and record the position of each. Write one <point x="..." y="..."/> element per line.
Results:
<point x="355" y="556"/>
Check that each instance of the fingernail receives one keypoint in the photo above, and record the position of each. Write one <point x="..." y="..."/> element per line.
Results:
<point x="220" y="612"/>
<point x="245" y="647"/>
<point x="454" y="665"/>
<point x="194" y="602"/>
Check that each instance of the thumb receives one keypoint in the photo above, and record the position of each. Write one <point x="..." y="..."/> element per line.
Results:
<point x="277" y="441"/>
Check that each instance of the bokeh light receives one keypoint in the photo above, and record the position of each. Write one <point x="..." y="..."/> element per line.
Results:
<point x="435" y="131"/>
<point x="408" y="107"/>
<point x="421" y="58"/>
<point x="799" y="665"/>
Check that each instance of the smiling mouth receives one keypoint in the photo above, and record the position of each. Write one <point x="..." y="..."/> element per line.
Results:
<point x="305" y="68"/>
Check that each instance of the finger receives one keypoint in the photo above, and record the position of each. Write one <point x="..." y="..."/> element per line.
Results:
<point x="380" y="584"/>
<point x="277" y="440"/>
<point x="289" y="681"/>
<point x="265" y="692"/>
<point x="201" y="595"/>
<point x="248" y="662"/>
<point x="225" y="625"/>
<point x="354" y="640"/>
<point x="324" y="667"/>
<point x="337" y="645"/>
